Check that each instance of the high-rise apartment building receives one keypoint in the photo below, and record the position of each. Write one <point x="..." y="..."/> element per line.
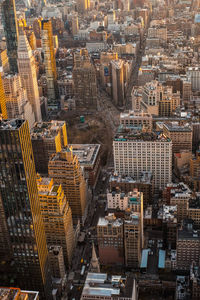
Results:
<point x="21" y="206"/>
<point x="65" y="169"/>
<point x="136" y="151"/>
<point x="118" y="82"/>
<point x="3" y="109"/>
<point x="47" y="138"/>
<point x="27" y="71"/>
<point x="50" y="64"/>
<point x="17" y="104"/>
<point x="57" y="216"/>
<point x="11" y="32"/>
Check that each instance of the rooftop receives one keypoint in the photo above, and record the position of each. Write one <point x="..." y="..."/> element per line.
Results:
<point x="12" y="124"/>
<point x="168" y="213"/>
<point x="14" y="293"/>
<point x="86" y="153"/>
<point x="144" y="177"/>
<point x="110" y="219"/>
<point x="104" y="285"/>
<point x="174" y="127"/>
<point x="187" y="231"/>
<point x="46" y="129"/>
<point x="130" y="133"/>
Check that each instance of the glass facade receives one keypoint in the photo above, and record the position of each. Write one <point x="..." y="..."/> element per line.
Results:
<point x="21" y="206"/>
<point x="11" y="32"/>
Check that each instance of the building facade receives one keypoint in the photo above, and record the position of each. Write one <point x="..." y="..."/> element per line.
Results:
<point x="27" y="71"/>
<point x="19" y="195"/>
<point x="65" y="169"/>
<point x="57" y="217"/>
<point x="11" y="32"/>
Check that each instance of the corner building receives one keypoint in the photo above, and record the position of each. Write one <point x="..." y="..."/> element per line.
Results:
<point x="21" y="208"/>
<point x="136" y="151"/>
<point x="65" y="169"/>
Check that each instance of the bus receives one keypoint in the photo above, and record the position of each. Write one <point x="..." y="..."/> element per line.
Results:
<point x="82" y="270"/>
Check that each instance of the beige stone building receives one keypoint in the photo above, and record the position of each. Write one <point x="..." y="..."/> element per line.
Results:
<point x="57" y="216"/>
<point x="65" y="169"/>
<point x="181" y="136"/>
<point x="47" y="138"/>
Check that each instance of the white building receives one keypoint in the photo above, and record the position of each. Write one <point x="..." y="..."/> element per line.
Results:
<point x="135" y="151"/>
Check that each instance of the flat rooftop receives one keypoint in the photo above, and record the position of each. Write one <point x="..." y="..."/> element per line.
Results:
<point x="45" y="188"/>
<point x="11" y="124"/>
<point x="46" y="130"/>
<point x="86" y="153"/>
<point x="110" y="219"/>
<point x="130" y="133"/>
<point x="174" y="127"/>
<point x="14" y="293"/>
<point x="104" y="285"/>
<point x="144" y="177"/>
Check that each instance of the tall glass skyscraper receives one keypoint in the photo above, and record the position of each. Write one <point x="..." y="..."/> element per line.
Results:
<point x="11" y="32"/>
<point x="21" y="208"/>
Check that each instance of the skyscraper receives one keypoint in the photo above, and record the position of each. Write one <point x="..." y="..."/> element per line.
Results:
<point x="21" y="207"/>
<point x="3" y="108"/>
<point x="57" y="216"/>
<point x="11" y="32"/>
<point x="27" y="71"/>
<point x="50" y="64"/>
<point x="65" y="169"/>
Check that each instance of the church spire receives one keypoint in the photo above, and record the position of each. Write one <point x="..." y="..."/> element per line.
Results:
<point x="94" y="263"/>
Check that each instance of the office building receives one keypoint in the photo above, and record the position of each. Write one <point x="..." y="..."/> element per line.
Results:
<point x="27" y="71"/>
<point x="21" y="206"/>
<point x="117" y="199"/>
<point x="133" y="239"/>
<point x="103" y="286"/>
<point x="90" y="159"/>
<point x="117" y="67"/>
<point x="3" y="109"/>
<point x="180" y="197"/>
<point x="4" y="63"/>
<point x="65" y="169"/>
<point x="137" y="119"/>
<point x="195" y="171"/>
<point x="17" y="104"/>
<point x="84" y="77"/>
<point x="181" y="136"/>
<point x="15" y="294"/>
<point x="11" y="32"/>
<point x="75" y="25"/>
<point x="57" y="216"/>
<point x="195" y="281"/>
<point x="110" y="238"/>
<point x="136" y="151"/>
<point x="47" y="138"/>
<point x="143" y="184"/>
<point x="187" y="246"/>
<point x="56" y="261"/>
<point x="50" y="64"/>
